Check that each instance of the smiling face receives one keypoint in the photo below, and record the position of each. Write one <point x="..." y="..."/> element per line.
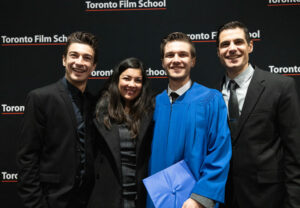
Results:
<point x="233" y="50"/>
<point x="79" y="63"/>
<point x="178" y="61"/>
<point x="130" y="84"/>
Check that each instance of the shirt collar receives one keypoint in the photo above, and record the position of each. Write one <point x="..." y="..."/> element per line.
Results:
<point x="242" y="77"/>
<point x="71" y="88"/>
<point x="182" y="89"/>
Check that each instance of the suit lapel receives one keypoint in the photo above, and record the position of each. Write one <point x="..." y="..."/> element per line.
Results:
<point x="64" y="94"/>
<point x="254" y="92"/>
<point x="220" y="84"/>
<point x="112" y="139"/>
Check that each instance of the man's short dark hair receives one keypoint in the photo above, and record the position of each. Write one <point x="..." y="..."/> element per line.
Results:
<point x="84" y="38"/>
<point x="233" y="25"/>
<point x="176" y="36"/>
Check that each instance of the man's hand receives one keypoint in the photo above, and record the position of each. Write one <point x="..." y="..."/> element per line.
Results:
<point x="191" y="203"/>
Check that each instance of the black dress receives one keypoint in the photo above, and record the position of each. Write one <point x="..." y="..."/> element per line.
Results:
<point x="128" y="166"/>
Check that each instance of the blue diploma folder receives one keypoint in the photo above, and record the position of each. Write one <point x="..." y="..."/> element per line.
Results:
<point x="171" y="187"/>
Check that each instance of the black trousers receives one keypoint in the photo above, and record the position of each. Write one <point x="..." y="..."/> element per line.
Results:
<point x="80" y="195"/>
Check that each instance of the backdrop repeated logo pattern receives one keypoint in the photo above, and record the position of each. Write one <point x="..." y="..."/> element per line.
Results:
<point x="126" y="28"/>
<point x="125" y="5"/>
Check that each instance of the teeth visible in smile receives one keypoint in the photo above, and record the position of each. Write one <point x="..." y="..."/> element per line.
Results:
<point x="78" y="70"/>
<point x="233" y="57"/>
<point x="176" y="68"/>
<point x="130" y="91"/>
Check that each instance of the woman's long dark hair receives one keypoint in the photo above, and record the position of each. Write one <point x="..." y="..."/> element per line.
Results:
<point x="110" y="107"/>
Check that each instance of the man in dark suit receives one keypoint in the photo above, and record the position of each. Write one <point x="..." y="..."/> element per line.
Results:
<point x="265" y="127"/>
<point x="55" y="153"/>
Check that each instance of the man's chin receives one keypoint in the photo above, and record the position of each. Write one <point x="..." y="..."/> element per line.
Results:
<point x="233" y="66"/>
<point x="79" y="79"/>
<point x="175" y="78"/>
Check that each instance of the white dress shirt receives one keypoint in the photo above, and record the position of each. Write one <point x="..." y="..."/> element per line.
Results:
<point x="243" y="80"/>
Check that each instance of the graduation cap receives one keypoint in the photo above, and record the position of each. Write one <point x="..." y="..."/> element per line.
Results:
<point x="171" y="187"/>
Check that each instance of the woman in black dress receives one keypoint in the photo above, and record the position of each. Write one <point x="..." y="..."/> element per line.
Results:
<point x="124" y="125"/>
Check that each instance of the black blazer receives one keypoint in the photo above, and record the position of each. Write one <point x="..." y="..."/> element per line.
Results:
<point x="108" y="186"/>
<point x="265" y="164"/>
<point x="48" y="155"/>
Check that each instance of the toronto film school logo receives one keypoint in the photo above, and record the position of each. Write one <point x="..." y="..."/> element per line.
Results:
<point x="285" y="70"/>
<point x="125" y="5"/>
<point x="151" y="73"/>
<point x="7" y="177"/>
<point x="210" y="37"/>
<point x="33" y="40"/>
<point x="277" y="3"/>
<point x="12" y="109"/>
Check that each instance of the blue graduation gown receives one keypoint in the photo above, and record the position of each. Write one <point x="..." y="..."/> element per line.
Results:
<point x="193" y="128"/>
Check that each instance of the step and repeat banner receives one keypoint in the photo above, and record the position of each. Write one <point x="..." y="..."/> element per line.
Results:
<point x="33" y="35"/>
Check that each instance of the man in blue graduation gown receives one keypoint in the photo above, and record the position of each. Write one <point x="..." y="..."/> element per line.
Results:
<point x="190" y="124"/>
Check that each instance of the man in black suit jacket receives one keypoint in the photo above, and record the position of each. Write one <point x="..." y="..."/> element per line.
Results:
<point x="265" y="127"/>
<point x="55" y="153"/>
